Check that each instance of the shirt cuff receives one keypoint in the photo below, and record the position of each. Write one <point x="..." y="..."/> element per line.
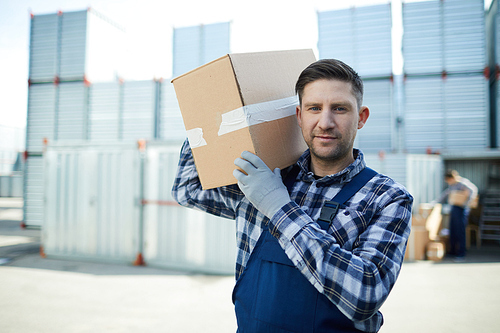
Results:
<point x="288" y="221"/>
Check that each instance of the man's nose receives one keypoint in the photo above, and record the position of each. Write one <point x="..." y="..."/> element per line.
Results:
<point x="326" y="120"/>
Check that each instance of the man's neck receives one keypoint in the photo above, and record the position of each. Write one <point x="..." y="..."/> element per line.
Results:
<point x="323" y="168"/>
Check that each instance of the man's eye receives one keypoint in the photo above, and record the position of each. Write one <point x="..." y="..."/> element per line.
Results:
<point x="314" y="108"/>
<point x="340" y="109"/>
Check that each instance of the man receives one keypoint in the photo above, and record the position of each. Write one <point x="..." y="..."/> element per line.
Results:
<point x="460" y="195"/>
<point x="298" y="268"/>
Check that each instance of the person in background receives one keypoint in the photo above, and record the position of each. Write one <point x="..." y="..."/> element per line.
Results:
<point x="321" y="243"/>
<point x="461" y="195"/>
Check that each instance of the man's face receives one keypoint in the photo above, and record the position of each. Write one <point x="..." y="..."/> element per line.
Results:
<point x="329" y="118"/>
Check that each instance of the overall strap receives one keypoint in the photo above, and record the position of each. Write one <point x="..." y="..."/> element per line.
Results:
<point x="330" y="208"/>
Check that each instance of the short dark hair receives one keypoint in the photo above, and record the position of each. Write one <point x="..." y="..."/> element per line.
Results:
<point x="450" y="173"/>
<point x="330" y="69"/>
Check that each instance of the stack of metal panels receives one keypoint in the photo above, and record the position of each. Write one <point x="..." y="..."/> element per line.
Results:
<point x="197" y="45"/>
<point x="71" y="111"/>
<point x="139" y="110"/>
<point x="379" y="132"/>
<point x="423" y="37"/>
<point x="464" y="34"/>
<point x="444" y="36"/>
<point x="104" y="111"/>
<point x="346" y="35"/>
<point x="170" y="124"/>
<point x="44" y="55"/>
<point x="69" y="46"/>
<point x="446" y="103"/>
<point x="446" y="114"/>
<point x="359" y="36"/>
<point x="67" y="52"/>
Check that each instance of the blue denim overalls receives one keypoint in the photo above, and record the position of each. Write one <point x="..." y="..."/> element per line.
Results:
<point x="272" y="295"/>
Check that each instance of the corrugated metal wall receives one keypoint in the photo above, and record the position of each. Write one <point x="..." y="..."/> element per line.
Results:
<point x="347" y="34"/>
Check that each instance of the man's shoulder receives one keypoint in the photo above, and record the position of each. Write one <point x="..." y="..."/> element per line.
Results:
<point x="385" y="185"/>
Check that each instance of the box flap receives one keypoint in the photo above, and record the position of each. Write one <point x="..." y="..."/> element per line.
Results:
<point x="267" y="76"/>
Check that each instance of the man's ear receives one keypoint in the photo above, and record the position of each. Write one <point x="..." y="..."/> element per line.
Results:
<point x="364" y="113"/>
<point x="298" y="114"/>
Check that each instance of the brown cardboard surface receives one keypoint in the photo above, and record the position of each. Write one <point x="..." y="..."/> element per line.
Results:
<point x="417" y="242"/>
<point x="435" y="251"/>
<point x="228" y="83"/>
<point x="458" y="198"/>
<point x="434" y="222"/>
<point x="418" y="220"/>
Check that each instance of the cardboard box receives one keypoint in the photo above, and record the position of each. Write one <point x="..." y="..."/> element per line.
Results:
<point x="435" y="251"/>
<point x="242" y="102"/>
<point x="458" y="198"/>
<point x="417" y="242"/>
<point x="418" y="221"/>
<point x="434" y="222"/>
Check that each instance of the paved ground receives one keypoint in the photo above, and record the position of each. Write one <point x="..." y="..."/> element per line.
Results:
<point x="48" y="295"/>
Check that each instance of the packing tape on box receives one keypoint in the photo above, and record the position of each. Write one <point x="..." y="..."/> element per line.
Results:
<point x="195" y="137"/>
<point x="254" y="114"/>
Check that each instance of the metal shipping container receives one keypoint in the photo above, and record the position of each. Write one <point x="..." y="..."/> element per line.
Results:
<point x="346" y="34"/>
<point x="91" y="208"/>
<point x="113" y="203"/>
<point x="177" y="237"/>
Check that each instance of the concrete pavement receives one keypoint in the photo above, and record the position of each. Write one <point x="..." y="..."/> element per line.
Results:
<point x="49" y="295"/>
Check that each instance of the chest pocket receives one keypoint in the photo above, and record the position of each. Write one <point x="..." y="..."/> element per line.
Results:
<point x="347" y="225"/>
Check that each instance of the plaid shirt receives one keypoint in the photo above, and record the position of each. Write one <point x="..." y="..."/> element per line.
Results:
<point x="355" y="264"/>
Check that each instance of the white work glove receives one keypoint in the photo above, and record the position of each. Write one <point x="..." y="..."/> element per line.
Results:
<point x="262" y="187"/>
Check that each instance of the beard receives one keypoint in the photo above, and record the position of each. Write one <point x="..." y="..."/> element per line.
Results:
<point x="335" y="151"/>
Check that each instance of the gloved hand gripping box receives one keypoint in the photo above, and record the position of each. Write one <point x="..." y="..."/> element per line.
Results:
<point x="240" y="102"/>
